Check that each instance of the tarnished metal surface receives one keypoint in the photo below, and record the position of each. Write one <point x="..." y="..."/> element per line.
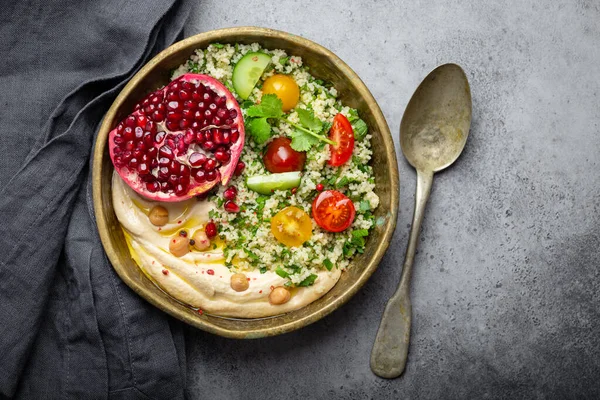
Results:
<point x="433" y="132"/>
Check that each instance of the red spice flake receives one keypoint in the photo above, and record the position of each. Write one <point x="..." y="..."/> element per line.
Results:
<point x="160" y="229"/>
<point x="165" y="272"/>
<point x="210" y="272"/>
<point x="178" y="222"/>
<point x="249" y="278"/>
<point x="173" y="240"/>
<point x="260" y="291"/>
<point x="202" y="271"/>
<point x="252" y="279"/>
<point x="220" y="276"/>
<point x="208" y="256"/>
<point x="200" y="311"/>
<point x="294" y="190"/>
<point x="152" y="262"/>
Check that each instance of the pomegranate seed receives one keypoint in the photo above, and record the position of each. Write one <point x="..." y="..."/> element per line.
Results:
<point x="180" y="189"/>
<point x="163" y="173"/>
<point x="139" y="133"/>
<point x="160" y="136"/>
<point x="129" y="145"/>
<point x="218" y="136"/>
<point x="172" y="96"/>
<point x="119" y="161"/>
<point x="196" y="96"/>
<point x="126" y="155"/>
<point x="232" y="113"/>
<point x="220" y="101"/>
<point x="189" y="86"/>
<point x="157" y="116"/>
<point x="161" y="108"/>
<point x="208" y="114"/>
<point x="120" y="128"/>
<point x="116" y="150"/>
<point x="235" y="135"/>
<point x="152" y="186"/>
<point x="190" y="137"/>
<point x="222" y="155"/>
<point x="150" y="126"/>
<point x="187" y="113"/>
<point x="156" y="98"/>
<point x="231" y="207"/>
<point x="210" y="272"/>
<point x="209" y="145"/>
<point x="173" y="179"/>
<point x="183" y="233"/>
<point x="222" y="113"/>
<point x="184" y="95"/>
<point x="143" y="169"/>
<point x="163" y="161"/>
<point x="174" y="167"/>
<point x="184" y="124"/>
<point x="119" y="140"/>
<point x="152" y="152"/>
<point x="197" y="159"/>
<point x="140" y="145"/>
<point x="210" y="164"/>
<point x="148" y="110"/>
<point x="202" y="106"/>
<point x="189" y="105"/>
<point x="137" y="153"/>
<point x="230" y="193"/>
<point x="226" y="137"/>
<point x="165" y="151"/>
<point x="174" y="105"/>
<point x="165" y="271"/>
<point x="165" y="186"/>
<point x="211" y="175"/>
<point x="184" y="171"/>
<point x="319" y="187"/>
<point x="294" y="190"/>
<point x="141" y="121"/>
<point x="212" y="107"/>
<point x="200" y="176"/>
<point x="174" y="116"/>
<point x="210" y="229"/>
<point x="172" y="125"/>
<point x="239" y="168"/>
<point x="130" y="121"/>
<point x="200" y="137"/>
<point x="133" y="163"/>
<point x="206" y="97"/>
<point x="217" y="121"/>
<point x="128" y="134"/>
<point x="148" y="141"/>
<point x="229" y="122"/>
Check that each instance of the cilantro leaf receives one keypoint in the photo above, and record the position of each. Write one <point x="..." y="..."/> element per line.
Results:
<point x="308" y="120"/>
<point x="302" y="141"/>
<point x="364" y="205"/>
<point x="259" y="129"/>
<point x="309" y="281"/>
<point x="263" y="270"/>
<point x="328" y="264"/>
<point x="270" y="107"/>
<point x="352" y="115"/>
<point x="360" y="129"/>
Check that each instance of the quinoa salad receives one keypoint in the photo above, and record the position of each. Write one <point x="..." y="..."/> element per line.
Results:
<point x="288" y="203"/>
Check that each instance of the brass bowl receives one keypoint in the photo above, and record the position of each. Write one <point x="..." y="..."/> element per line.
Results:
<point x="353" y="92"/>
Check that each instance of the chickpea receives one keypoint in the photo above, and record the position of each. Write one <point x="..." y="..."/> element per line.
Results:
<point x="279" y="295"/>
<point x="179" y="245"/>
<point x="201" y="241"/>
<point x="239" y="282"/>
<point x="158" y="216"/>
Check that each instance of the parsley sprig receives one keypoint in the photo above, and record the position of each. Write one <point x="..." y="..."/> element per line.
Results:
<point x="307" y="132"/>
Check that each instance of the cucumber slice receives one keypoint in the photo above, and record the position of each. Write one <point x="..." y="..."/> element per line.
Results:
<point x="266" y="184"/>
<point x="248" y="71"/>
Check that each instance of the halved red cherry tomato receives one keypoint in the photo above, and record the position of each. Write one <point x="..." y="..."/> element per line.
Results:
<point x="333" y="211"/>
<point x="342" y="134"/>
<point x="280" y="157"/>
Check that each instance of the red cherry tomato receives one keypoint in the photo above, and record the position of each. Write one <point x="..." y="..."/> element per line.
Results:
<point x="280" y="157"/>
<point x="333" y="211"/>
<point x="342" y="134"/>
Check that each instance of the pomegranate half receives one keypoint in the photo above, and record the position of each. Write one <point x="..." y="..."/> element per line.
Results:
<point x="180" y="141"/>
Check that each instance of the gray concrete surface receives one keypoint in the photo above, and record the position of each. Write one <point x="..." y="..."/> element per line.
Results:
<point x="506" y="290"/>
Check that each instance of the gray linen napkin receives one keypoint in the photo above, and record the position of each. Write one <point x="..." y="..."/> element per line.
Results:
<point x="69" y="327"/>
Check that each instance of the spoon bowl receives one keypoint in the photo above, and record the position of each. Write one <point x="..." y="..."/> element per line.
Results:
<point x="433" y="133"/>
<point x="436" y="122"/>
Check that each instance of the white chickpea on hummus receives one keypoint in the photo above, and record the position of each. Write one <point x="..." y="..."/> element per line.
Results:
<point x="243" y="187"/>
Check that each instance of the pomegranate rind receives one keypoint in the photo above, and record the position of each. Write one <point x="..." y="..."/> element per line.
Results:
<point x="224" y="172"/>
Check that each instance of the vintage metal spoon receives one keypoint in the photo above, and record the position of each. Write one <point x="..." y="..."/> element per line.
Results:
<point x="433" y="132"/>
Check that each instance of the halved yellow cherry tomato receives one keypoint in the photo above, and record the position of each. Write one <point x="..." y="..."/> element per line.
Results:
<point x="291" y="226"/>
<point x="284" y="87"/>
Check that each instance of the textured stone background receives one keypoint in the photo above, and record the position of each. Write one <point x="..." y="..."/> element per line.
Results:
<point x="506" y="290"/>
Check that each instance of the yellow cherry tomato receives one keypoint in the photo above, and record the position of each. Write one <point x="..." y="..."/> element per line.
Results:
<point x="284" y="87"/>
<point x="291" y="226"/>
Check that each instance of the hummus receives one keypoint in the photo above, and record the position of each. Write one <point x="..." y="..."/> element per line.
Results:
<point x="201" y="279"/>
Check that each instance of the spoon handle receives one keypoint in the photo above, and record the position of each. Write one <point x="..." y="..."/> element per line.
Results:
<point x="390" y="350"/>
